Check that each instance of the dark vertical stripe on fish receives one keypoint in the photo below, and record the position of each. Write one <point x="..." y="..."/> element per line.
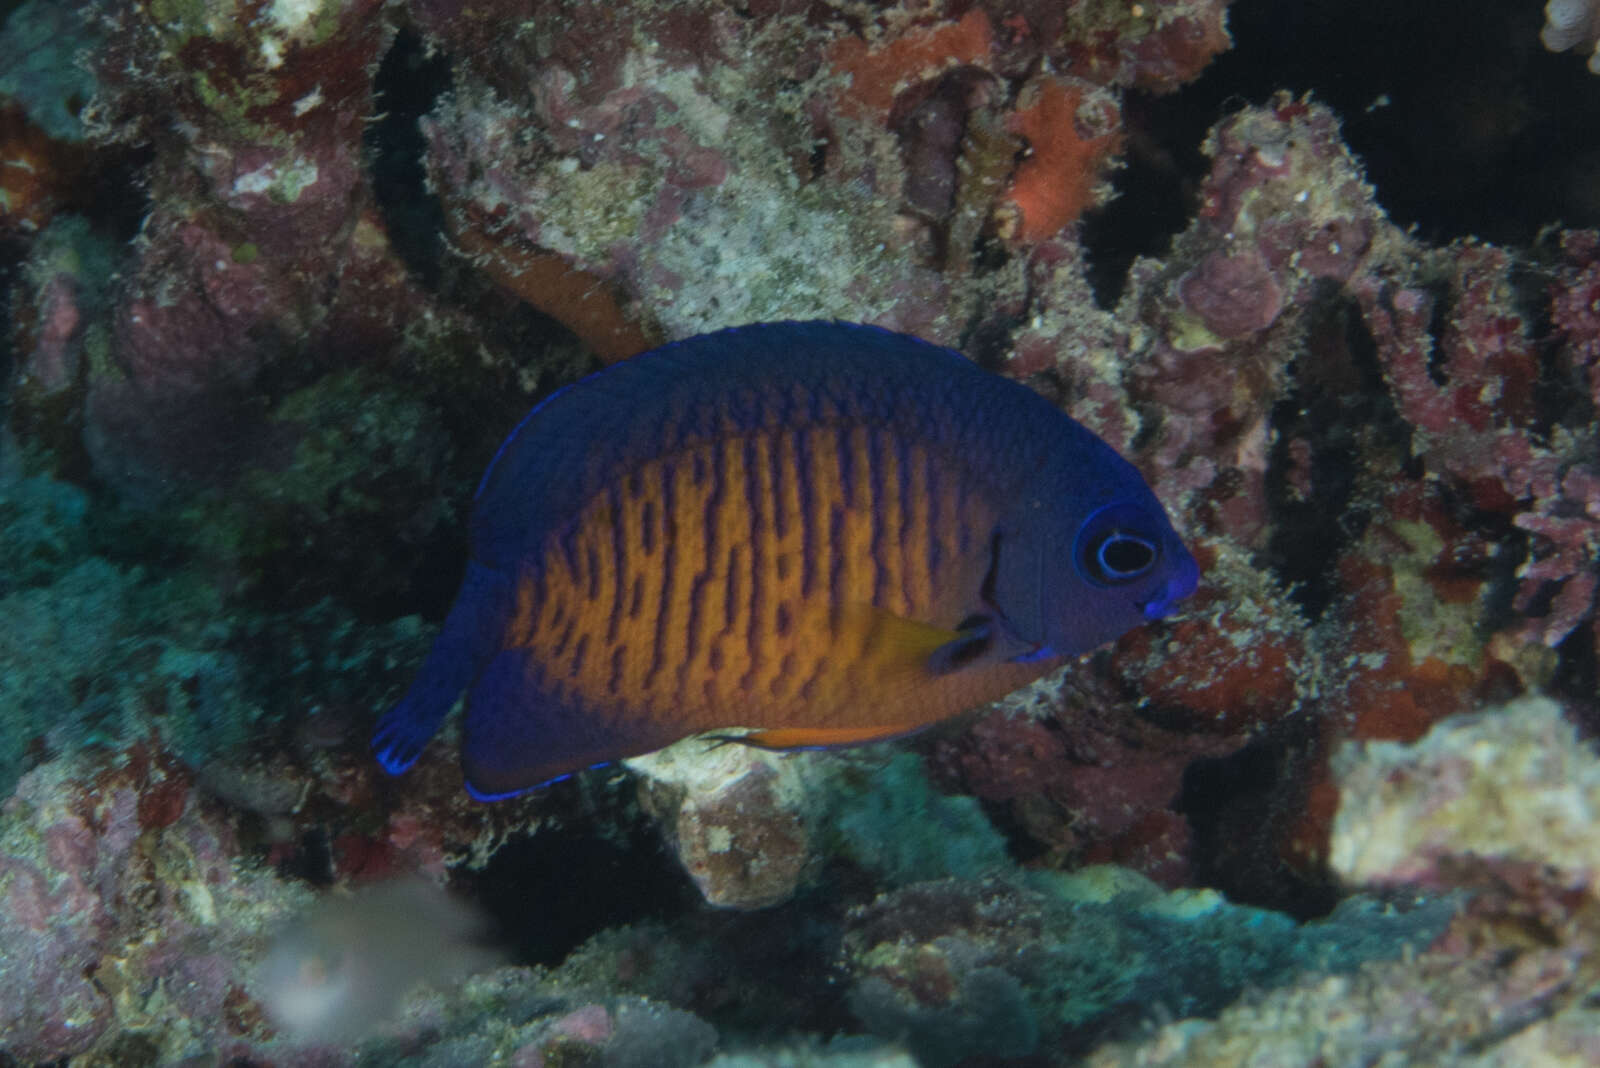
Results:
<point x="933" y="490"/>
<point x="730" y="588"/>
<point x="719" y="483"/>
<point x="691" y="630"/>
<point x="846" y="447"/>
<point x="760" y="510"/>
<point x="669" y="576"/>
<point x="878" y="511"/>
<point x="619" y="564"/>
<point x="618" y="662"/>
<point x="775" y="473"/>
<point x="569" y="548"/>
<point x="806" y="482"/>
<point x="908" y="501"/>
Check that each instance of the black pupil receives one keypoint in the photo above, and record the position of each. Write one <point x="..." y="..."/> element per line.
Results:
<point x="1123" y="555"/>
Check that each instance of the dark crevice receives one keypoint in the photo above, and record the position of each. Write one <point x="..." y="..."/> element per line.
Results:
<point x="1324" y="431"/>
<point x="1154" y="188"/>
<point x="549" y="892"/>
<point x="115" y="197"/>
<point x="1465" y="124"/>
<point x="1235" y="805"/>
<point x="408" y="84"/>
<point x="1577" y="678"/>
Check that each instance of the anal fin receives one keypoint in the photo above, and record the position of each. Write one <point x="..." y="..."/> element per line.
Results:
<point x="816" y="737"/>
<point x="520" y="735"/>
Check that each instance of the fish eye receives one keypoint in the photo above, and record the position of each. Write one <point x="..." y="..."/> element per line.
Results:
<point x="1124" y="555"/>
<point x="1111" y="550"/>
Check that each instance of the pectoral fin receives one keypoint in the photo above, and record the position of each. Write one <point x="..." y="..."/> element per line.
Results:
<point x="970" y="644"/>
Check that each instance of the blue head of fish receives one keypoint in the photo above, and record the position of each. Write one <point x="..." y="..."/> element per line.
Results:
<point x="1078" y="564"/>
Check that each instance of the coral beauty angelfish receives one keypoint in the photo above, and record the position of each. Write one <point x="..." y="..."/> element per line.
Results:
<point x="828" y="532"/>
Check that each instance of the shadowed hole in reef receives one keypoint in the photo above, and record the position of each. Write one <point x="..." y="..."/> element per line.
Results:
<point x="551" y="891"/>
<point x="1238" y="806"/>
<point x="489" y="398"/>
<point x="408" y="83"/>
<point x="750" y="973"/>
<point x="1577" y="676"/>
<point x="1333" y="425"/>
<point x="1160" y="170"/>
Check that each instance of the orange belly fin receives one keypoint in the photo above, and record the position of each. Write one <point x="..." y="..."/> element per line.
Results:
<point x="816" y="737"/>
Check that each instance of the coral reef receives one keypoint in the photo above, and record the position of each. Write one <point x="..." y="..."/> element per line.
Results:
<point x="1508" y="786"/>
<point x="277" y="279"/>
<point x="751" y="828"/>
<point x="1000" y="970"/>
<point x="1495" y="804"/>
<point x="124" y="915"/>
<point x="735" y="818"/>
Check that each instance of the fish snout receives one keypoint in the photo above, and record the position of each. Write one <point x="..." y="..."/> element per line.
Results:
<point x="1182" y="582"/>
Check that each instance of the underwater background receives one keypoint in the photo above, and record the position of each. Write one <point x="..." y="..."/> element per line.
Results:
<point x="278" y="276"/>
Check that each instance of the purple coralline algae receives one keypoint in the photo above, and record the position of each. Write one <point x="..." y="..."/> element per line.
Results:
<point x="277" y="278"/>
<point x="123" y="918"/>
<point x="259" y="245"/>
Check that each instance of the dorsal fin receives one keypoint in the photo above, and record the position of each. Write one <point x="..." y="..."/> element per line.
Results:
<point x="745" y="378"/>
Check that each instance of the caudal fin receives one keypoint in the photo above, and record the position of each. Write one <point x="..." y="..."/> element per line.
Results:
<point x="469" y="640"/>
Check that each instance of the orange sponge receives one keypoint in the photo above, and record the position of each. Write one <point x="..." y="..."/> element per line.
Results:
<point x="1055" y="183"/>
<point x="880" y="71"/>
<point x="589" y="306"/>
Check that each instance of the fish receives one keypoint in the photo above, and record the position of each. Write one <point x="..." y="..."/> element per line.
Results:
<point x="824" y="533"/>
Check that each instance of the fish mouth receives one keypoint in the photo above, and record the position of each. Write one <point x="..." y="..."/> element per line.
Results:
<point x="1183" y="581"/>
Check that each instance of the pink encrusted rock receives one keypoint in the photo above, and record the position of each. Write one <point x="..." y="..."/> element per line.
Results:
<point x="1470" y="393"/>
<point x="1234" y="295"/>
<point x="528" y="1056"/>
<point x="1083" y="776"/>
<point x="55" y="358"/>
<point x="1511" y="784"/>
<point x="591" y="1024"/>
<point x="1283" y="212"/>
<point x="51" y="936"/>
<point x="1575" y="304"/>
<point x="736" y="816"/>
<point x="259" y="249"/>
<point x="177" y="397"/>
<point x="99" y="908"/>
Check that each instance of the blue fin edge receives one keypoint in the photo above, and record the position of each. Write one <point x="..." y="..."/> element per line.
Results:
<point x="469" y="635"/>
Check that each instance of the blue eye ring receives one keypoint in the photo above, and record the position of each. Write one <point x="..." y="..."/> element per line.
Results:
<point x="1123" y="555"/>
<point x="1111" y="550"/>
